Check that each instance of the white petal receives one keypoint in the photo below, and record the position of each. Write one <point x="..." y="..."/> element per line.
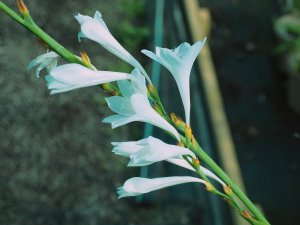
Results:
<point x="125" y="148"/>
<point x="120" y="105"/>
<point x="47" y="60"/>
<point x="138" y="185"/>
<point x="143" y="109"/>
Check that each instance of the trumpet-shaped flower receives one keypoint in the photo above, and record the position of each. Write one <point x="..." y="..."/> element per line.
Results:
<point x="138" y="185"/>
<point x="135" y="106"/>
<point x="47" y="60"/>
<point x="179" y="62"/>
<point x="96" y="30"/>
<point x="72" y="76"/>
<point x="148" y="151"/>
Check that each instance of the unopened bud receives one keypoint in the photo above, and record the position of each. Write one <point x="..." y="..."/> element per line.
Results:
<point x="22" y="7"/>
<point x="180" y="144"/>
<point x="227" y="190"/>
<point x="196" y="162"/>
<point x="157" y="108"/>
<point x="188" y="133"/>
<point x="178" y="121"/>
<point x="153" y="91"/>
<point x="246" y="214"/>
<point x="209" y="186"/>
<point x="85" y="59"/>
<point x="108" y="87"/>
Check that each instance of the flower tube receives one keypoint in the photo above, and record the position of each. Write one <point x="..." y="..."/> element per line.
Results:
<point x="138" y="185"/>
<point x="72" y="76"/>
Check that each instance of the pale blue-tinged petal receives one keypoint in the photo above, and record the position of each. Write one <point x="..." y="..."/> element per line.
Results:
<point x="47" y="61"/>
<point x="120" y="120"/>
<point x="138" y="185"/>
<point x="120" y="105"/>
<point x="142" y="107"/>
<point x="190" y="57"/>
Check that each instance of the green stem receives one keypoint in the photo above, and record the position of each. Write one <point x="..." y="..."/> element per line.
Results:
<point x="246" y="201"/>
<point x="30" y="25"/>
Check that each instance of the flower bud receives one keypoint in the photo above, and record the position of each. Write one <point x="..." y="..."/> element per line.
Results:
<point x="209" y="186"/>
<point x="22" y="7"/>
<point x="86" y="60"/>
<point x="180" y="144"/>
<point x="188" y="134"/>
<point x="196" y="162"/>
<point x="178" y="121"/>
<point x="246" y="214"/>
<point x="157" y="108"/>
<point x="153" y="91"/>
<point x="227" y="190"/>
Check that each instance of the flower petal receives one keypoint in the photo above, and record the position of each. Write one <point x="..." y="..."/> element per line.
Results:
<point x="142" y="107"/>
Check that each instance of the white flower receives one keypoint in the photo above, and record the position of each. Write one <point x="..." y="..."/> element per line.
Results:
<point x="47" y="60"/>
<point x="72" y="76"/>
<point x="138" y="185"/>
<point x="179" y="62"/>
<point x="96" y="30"/>
<point x="148" y="151"/>
<point x="135" y="106"/>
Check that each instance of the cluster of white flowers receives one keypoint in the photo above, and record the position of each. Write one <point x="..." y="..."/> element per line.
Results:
<point x="133" y="103"/>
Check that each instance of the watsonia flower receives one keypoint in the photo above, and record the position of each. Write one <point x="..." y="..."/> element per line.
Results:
<point x="72" y="76"/>
<point x="179" y="62"/>
<point x="138" y="185"/>
<point x="96" y="30"/>
<point x="148" y="151"/>
<point x="134" y="105"/>
<point x="47" y="60"/>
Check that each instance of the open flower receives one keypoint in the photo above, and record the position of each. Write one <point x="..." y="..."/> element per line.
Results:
<point x="47" y="60"/>
<point x="72" y="76"/>
<point x="148" y="151"/>
<point x="135" y="106"/>
<point x="96" y="30"/>
<point x="138" y="185"/>
<point x="179" y="62"/>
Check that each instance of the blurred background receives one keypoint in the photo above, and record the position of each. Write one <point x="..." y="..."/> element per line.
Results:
<point x="56" y="165"/>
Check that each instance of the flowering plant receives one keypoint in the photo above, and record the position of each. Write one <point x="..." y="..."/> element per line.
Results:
<point x="135" y="98"/>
